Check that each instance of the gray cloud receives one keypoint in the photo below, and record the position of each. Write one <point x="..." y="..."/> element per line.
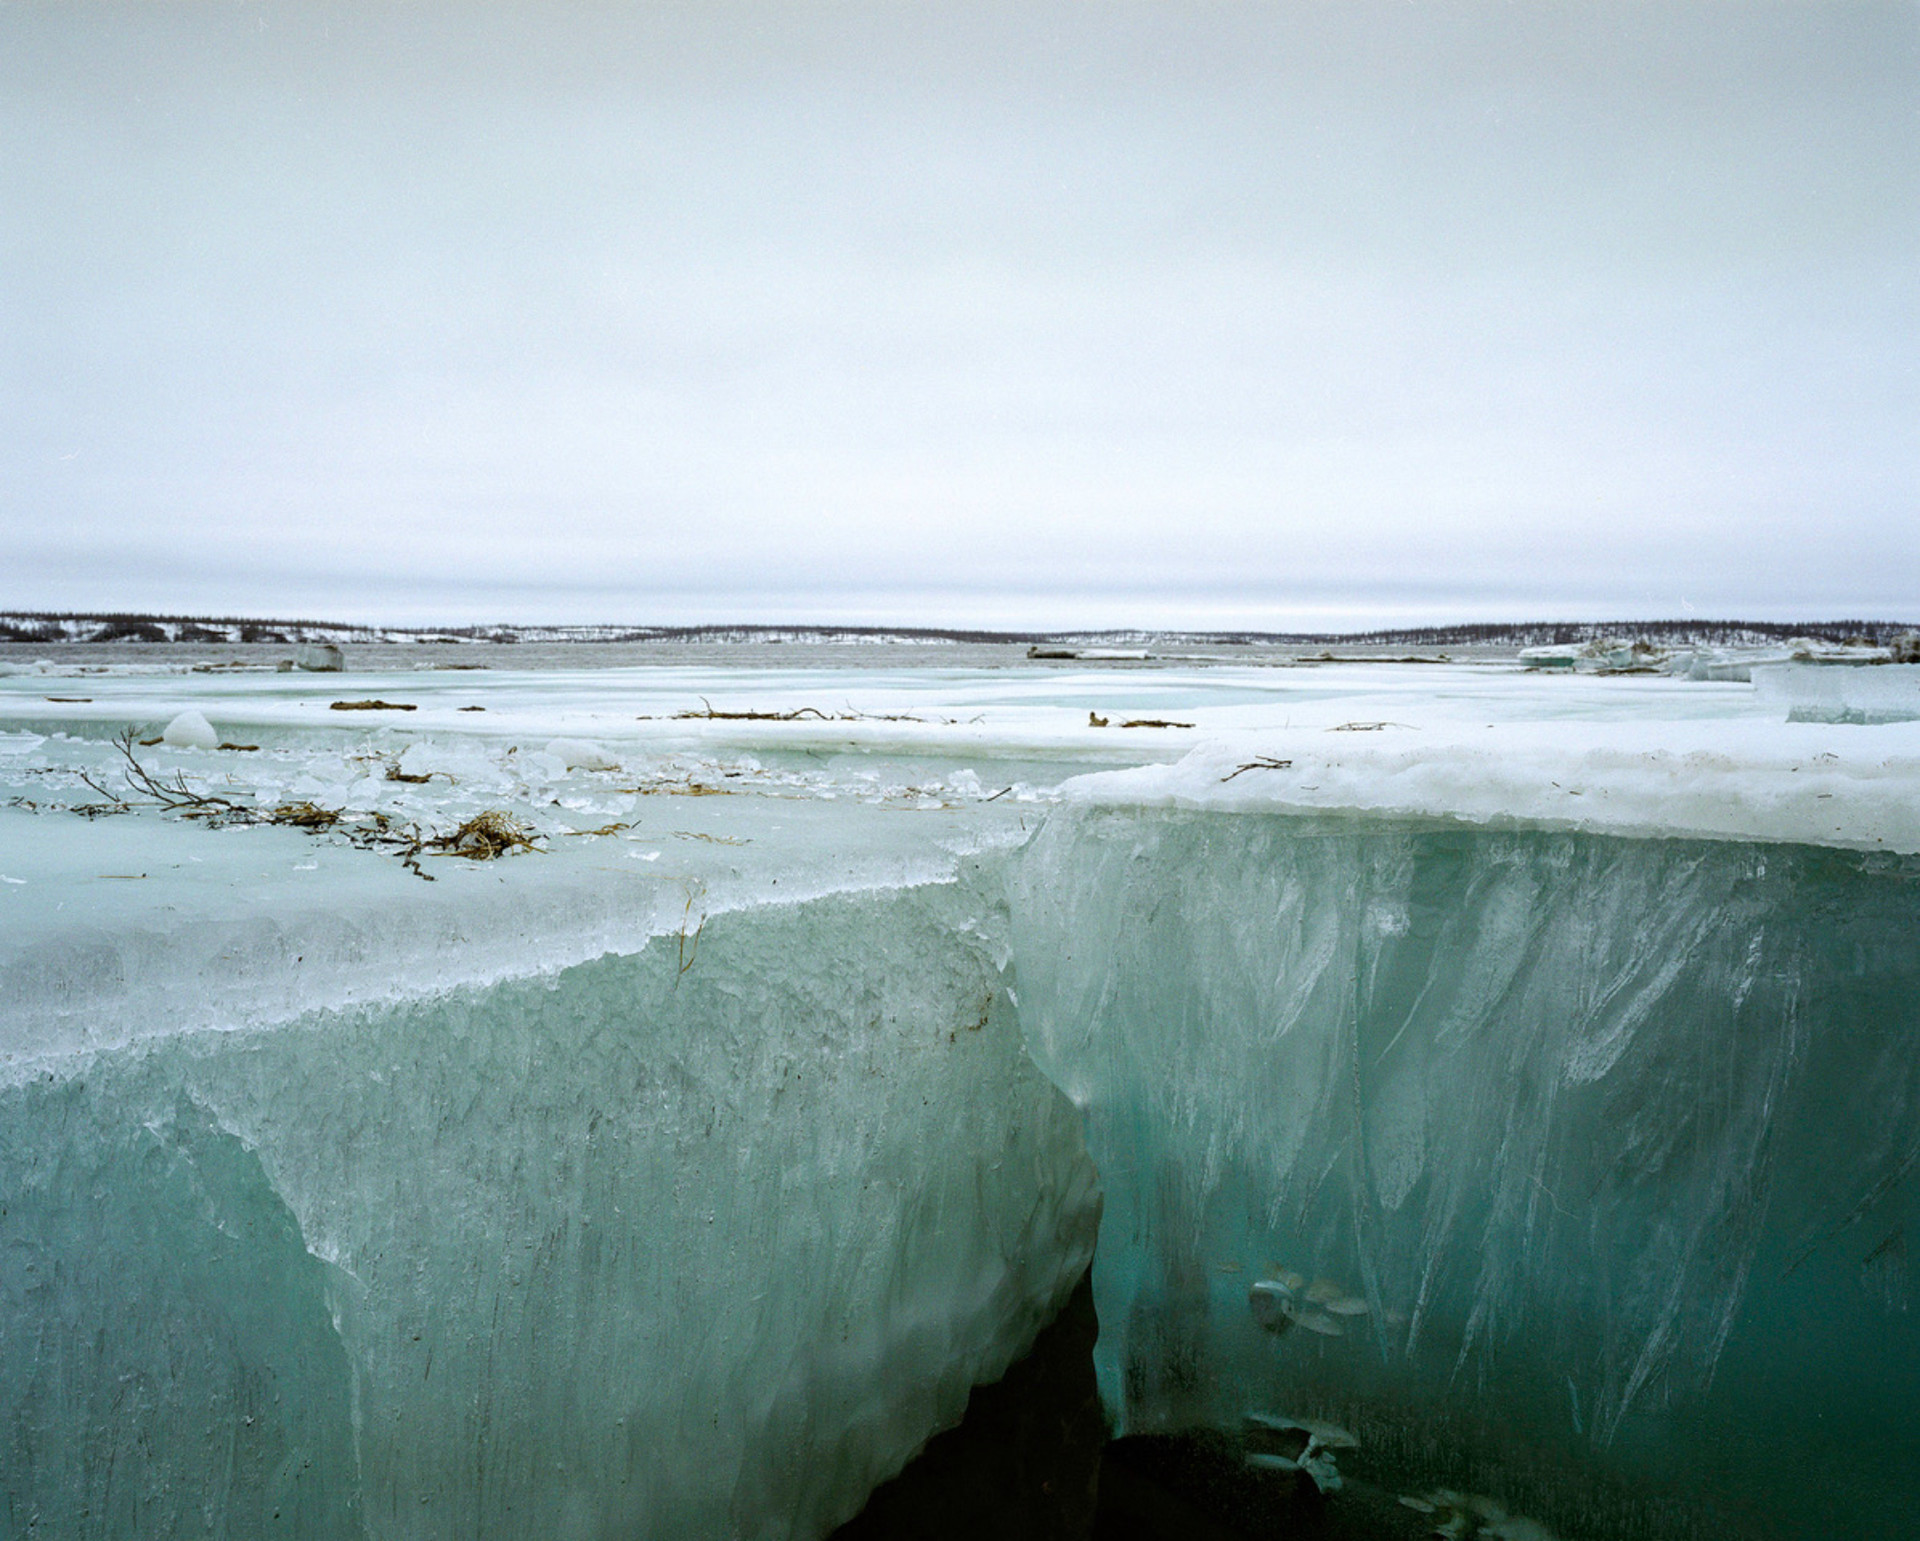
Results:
<point x="1208" y="312"/>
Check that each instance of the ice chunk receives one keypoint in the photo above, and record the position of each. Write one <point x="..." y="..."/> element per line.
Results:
<point x="190" y="730"/>
<point x="319" y="658"/>
<point x="581" y="754"/>
<point x="1827" y="692"/>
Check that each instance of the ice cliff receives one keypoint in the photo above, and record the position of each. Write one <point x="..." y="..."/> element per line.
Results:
<point x="618" y="1250"/>
<point x="1577" y="1163"/>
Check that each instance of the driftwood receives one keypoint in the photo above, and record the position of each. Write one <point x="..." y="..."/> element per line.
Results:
<point x="483" y="837"/>
<point x="1260" y="762"/>
<point x="708" y="713"/>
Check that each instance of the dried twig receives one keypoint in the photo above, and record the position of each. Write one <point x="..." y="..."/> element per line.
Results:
<point x="481" y="838"/>
<point x="174" y="794"/>
<point x="799" y="714"/>
<point x="1260" y="762"/>
<point x="708" y="713"/>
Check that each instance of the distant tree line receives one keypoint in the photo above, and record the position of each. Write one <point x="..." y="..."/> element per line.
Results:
<point x="119" y="626"/>
<point x="1676" y="633"/>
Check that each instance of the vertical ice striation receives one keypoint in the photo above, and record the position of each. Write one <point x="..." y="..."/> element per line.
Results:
<point x="631" y="1249"/>
<point x="1588" y="1159"/>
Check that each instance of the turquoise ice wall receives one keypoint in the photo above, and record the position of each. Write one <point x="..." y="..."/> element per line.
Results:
<point x="697" y="1242"/>
<point x="1608" y="1148"/>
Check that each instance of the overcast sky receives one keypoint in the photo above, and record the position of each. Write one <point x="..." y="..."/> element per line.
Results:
<point x="1224" y="314"/>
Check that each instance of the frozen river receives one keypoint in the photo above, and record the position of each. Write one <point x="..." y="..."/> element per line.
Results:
<point x="1515" y="1071"/>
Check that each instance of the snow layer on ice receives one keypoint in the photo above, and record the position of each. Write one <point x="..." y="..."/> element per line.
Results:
<point x="1727" y="780"/>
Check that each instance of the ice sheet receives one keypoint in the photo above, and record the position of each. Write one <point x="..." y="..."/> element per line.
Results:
<point x="386" y="1114"/>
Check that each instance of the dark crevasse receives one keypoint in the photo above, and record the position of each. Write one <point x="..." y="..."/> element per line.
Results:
<point x="1577" y="1171"/>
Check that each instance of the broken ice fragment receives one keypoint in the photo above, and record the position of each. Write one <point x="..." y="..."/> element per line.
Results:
<point x="1321" y="1468"/>
<point x="190" y="730"/>
<point x="581" y="754"/>
<point x="1267" y="1301"/>
<point x="1330" y="1436"/>
<point x="319" y="658"/>
<point x="1311" y="1443"/>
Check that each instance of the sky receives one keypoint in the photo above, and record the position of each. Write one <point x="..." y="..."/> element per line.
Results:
<point x="1202" y="315"/>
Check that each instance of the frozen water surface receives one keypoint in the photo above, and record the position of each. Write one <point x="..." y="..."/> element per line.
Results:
<point x="1543" y="1046"/>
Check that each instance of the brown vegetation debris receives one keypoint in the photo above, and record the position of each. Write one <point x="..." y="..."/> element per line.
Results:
<point x="372" y="706"/>
<point x="487" y="835"/>
<point x="304" y="816"/>
<point x="175" y="794"/>
<point x="484" y="836"/>
<point x="678" y="789"/>
<point x="798" y="715"/>
<point x="1153" y="722"/>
